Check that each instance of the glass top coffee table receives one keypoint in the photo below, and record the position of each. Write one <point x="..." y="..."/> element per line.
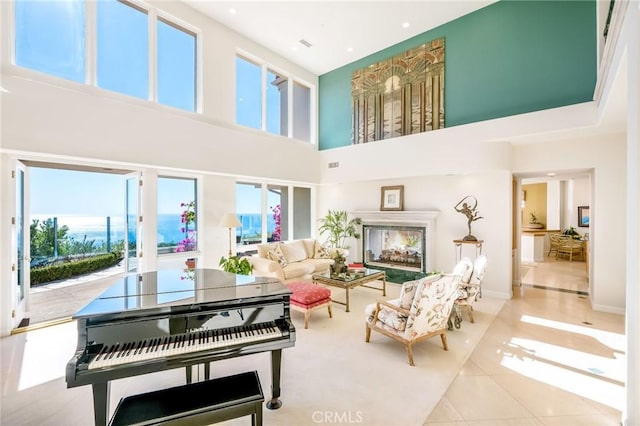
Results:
<point x="349" y="280"/>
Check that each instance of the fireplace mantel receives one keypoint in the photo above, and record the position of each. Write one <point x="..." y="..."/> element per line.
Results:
<point x="423" y="218"/>
<point x="397" y="217"/>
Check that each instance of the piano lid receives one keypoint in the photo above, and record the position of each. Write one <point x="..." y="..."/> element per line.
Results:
<point x="178" y="287"/>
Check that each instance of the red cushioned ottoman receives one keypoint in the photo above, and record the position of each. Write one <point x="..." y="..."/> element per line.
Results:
<point x="307" y="297"/>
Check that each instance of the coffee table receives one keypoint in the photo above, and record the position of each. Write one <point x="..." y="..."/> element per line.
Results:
<point x="351" y="280"/>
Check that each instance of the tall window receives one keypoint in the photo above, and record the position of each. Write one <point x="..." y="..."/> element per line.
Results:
<point x="177" y="218"/>
<point x="302" y="112"/>
<point x="263" y="210"/>
<point x="249" y="211"/>
<point x="267" y="106"/>
<point x="277" y="213"/>
<point x="123" y="48"/>
<point x="176" y="66"/>
<point x="248" y="93"/>
<point x="277" y="99"/>
<point x="50" y="37"/>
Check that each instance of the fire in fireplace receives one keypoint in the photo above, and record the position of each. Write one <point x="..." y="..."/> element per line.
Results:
<point x="399" y="247"/>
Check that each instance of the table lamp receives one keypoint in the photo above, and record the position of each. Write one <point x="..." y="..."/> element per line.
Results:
<point x="230" y="220"/>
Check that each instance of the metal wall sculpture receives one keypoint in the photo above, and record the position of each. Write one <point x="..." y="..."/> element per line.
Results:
<point x="399" y="96"/>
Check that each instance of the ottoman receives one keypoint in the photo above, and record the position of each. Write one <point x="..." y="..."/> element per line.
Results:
<point x="307" y="297"/>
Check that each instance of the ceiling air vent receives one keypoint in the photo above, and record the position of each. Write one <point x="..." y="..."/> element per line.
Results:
<point x="305" y="43"/>
<point x="333" y="165"/>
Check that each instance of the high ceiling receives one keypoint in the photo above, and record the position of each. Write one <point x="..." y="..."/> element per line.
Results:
<point x="339" y="32"/>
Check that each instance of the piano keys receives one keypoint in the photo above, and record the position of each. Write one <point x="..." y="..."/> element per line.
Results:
<point x="168" y="319"/>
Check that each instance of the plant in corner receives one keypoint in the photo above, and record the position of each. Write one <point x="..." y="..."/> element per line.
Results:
<point x="339" y="227"/>
<point x="236" y="265"/>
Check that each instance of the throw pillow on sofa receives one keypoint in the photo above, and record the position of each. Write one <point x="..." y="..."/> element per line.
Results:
<point x="309" y="246"/>
<point x="294" y="251"/>
<point x="277" y="255"/>
<point x="321" y="252"/>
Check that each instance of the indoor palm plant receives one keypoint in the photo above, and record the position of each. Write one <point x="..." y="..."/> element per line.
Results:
<point x="337" y="224"/>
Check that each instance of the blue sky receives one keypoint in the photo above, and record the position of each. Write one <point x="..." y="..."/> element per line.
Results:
<point x="68" y="192"/>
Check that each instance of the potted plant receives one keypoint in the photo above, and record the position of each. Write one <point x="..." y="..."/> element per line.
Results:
<point x="339" y="227"/>
<point x="236" y="265"/>
<point x="571" y="232"/>
<point x="533" y="221"/>
<point x="339" y="262"/>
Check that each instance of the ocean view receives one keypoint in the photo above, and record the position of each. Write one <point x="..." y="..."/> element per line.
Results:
<point x="169" y="227"/>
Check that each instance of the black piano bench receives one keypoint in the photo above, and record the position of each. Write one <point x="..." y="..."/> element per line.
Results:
<point x="200" y="403"/>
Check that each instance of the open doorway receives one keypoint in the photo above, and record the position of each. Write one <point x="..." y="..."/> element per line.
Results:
<point x="77" y="237"/>
<point x="547" y="208"/>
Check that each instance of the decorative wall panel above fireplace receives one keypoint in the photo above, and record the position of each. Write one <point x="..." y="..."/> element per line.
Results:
<point x="400" y="95"/>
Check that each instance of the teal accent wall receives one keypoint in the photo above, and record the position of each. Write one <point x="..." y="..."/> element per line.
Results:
<point x="511" y="57"/>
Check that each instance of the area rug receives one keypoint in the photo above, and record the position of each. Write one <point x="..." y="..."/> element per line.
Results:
<point x="330" y="376"/>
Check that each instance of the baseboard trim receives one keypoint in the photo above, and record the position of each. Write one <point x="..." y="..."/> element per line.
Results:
<point x="40" y="325"/>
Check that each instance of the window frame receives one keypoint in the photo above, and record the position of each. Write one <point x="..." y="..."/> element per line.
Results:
<point x="267" y="67"/>
<point x="265" y="211"/>
<point x="196" y="199"/>
<point x="90" y="53"/>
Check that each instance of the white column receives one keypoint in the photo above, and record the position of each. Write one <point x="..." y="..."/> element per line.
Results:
<point x="553" y="204"/>
<point x="149" y="212"/>
<point x="632" y="411"/>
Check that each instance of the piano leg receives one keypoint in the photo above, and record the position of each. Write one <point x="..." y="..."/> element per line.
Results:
<point x="101" y="403"/>
<point x="187" y="370"/>
<point x="276" y="361"/>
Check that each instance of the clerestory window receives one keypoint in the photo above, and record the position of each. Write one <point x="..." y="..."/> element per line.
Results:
<point x="269" y="100"/>
<point x="56" y="38"/>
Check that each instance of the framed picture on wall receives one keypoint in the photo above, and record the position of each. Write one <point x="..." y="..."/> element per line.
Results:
<point x="391" y="197"/>
<point x="583" y="216"/>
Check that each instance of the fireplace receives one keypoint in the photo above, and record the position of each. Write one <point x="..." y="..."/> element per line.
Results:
<point x="397" y="240"/>
<point x="400" y="247"/>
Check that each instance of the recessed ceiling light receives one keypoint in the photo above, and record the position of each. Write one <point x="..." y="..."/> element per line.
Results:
<point x="233" y="11"/>
<point x="405" y="25"/>
<point x="551" y="174"/>
<point x="349" y="49"/>
<point x="294" y="48"/>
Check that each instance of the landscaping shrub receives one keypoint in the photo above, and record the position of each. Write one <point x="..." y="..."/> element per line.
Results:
<point x="61" y="271"/>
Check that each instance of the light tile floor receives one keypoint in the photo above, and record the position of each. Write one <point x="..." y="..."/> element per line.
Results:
<point x="547" y="359"/>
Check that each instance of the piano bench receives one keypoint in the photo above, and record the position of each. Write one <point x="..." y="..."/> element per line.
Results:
<point x="200" y="403"/>
<point x="307" y="297"/>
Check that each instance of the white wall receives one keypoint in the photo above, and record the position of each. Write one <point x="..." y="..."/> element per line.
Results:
<point x="554" y="199"/>
<point x="606" y="156"/>
<point x="577" y="194"/>
<point x="440" y="193"/>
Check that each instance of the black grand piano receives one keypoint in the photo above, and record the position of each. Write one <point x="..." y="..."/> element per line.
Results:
<point x="168" y="319"/>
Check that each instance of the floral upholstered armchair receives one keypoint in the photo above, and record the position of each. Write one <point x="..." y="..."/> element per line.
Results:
<point x="422" y="311"/>
<point x="470" y="284"/>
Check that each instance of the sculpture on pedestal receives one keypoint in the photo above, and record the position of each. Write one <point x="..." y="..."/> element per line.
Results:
<point x="464" y="207"/>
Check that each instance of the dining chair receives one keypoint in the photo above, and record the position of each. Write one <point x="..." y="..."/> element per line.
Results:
<point x="554" y="243"/>
<point x="570" y="247"/>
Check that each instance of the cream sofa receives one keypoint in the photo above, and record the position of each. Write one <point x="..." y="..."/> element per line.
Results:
<point x="290" y="261"/>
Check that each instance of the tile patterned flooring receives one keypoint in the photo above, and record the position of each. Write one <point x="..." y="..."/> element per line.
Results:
<point x="547" y="359"/>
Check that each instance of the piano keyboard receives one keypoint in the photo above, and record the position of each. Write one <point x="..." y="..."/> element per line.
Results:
<point x="200" y="340"/>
